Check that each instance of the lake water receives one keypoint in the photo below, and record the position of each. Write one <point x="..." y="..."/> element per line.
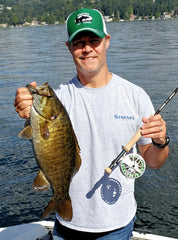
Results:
<point x="144" y="52"/>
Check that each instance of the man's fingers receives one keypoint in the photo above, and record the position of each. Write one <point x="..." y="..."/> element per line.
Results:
<point x="23" y="101"/>
<point x="25" y="113"/>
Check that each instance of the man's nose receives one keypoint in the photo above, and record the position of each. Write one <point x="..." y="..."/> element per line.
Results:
<point x="87" y="46"/>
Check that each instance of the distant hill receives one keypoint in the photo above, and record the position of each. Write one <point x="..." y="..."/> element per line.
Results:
<point x="15" y="12"/>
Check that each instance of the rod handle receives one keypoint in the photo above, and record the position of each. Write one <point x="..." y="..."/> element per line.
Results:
<point x="126" y="148"/>
<point x="134" y="139"/>
<point x="108" y="170"/>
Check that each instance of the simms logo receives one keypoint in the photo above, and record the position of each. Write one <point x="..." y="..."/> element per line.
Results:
<point x="124" y="117"/>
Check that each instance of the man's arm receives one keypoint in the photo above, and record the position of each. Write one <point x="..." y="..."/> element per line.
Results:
<point x="153" y="156"/>
<point x="155" y="128"/>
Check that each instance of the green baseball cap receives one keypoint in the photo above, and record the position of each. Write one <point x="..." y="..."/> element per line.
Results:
<point x="85" y="20"/>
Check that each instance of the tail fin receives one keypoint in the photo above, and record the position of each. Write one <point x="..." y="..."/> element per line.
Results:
<point x="64" y="209"/>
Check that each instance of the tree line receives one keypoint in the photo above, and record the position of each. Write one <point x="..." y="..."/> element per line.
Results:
<point x="15" y="12"/>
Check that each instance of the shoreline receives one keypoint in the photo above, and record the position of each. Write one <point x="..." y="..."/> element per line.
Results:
<point x="41" y="24"/>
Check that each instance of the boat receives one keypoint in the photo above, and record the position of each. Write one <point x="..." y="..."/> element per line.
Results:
<point x="42" y="230"/>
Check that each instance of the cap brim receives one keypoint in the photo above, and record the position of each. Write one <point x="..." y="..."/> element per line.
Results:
<point x="100" y="34"/>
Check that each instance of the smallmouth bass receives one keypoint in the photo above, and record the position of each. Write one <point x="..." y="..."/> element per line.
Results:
<point x="56" y="149"/>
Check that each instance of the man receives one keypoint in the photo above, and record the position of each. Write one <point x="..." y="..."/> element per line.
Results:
<point x="106" y="111"/>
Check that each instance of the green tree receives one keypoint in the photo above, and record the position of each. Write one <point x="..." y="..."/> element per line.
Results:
<point x="157" y="15"/>
<point x="58" y="10"/>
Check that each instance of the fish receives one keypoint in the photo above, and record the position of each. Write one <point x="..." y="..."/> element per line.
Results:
<point x="55" y="147"/>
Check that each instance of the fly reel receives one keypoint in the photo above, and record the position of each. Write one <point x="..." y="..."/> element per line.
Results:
<point x="132" y="166"/>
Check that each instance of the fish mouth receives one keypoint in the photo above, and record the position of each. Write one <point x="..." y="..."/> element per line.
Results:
<point x="42" y="90"/>
<point x="41" y="94"/>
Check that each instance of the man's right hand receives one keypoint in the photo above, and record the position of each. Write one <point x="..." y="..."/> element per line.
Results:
<point x="23" y="101"/>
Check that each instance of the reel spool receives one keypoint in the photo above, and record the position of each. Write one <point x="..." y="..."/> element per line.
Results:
<point x="132" y="166"/>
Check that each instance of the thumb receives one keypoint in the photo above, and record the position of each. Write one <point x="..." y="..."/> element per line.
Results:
<point x="146" y="120"/>
<point x="33" y="84"/>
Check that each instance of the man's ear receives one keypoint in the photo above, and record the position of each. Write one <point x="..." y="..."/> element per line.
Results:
<point x="108" y="37"/>
<point x="68" y="45"/>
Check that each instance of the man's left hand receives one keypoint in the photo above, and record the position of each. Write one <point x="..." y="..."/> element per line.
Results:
<point x="155" y="128"/>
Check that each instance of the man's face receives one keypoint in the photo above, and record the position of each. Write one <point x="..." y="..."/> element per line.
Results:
<point x="89" y="52"/>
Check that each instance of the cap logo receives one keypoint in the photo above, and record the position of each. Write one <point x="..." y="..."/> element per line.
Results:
<point x="83" y="17"/>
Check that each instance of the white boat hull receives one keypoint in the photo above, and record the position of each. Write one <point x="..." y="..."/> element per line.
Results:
<point x="32" y="231"/>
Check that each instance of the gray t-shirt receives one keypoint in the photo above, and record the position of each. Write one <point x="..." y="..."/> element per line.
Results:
<point x="104" y="119"/>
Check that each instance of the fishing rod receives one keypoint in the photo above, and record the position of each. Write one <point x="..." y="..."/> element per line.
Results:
<point x="134" y="166"/>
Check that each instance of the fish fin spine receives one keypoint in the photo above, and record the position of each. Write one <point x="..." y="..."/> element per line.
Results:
<point x="26" y="133"/>
<point x="41" y="183"/>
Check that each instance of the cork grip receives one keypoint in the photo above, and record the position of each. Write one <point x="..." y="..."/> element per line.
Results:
<point x="134" y="139"/>
<point x="108" y="170"/>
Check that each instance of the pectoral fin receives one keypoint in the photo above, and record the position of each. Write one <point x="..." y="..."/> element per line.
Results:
<point x="26" y="133"/>
<point x="41" y="183"/>
<point x="44" y="131"/>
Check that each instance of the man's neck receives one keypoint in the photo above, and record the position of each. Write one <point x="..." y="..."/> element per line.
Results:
<point x="95" y="80"/>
